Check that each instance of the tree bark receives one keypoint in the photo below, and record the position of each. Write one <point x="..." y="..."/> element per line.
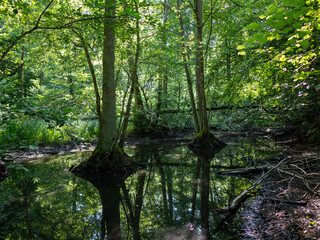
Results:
<point x="186" y="68"/>
<point x="94" y="78"/>
<point x="202" y="105"/>
<point x="107" y="133"/>
<point x="21" y="73"/>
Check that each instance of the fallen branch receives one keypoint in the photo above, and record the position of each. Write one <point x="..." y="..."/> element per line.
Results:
<point x="172" y="111"/>
<point x="299" y="203"/>
<point x="237" y="202"/>
<point x="243" y="171"/>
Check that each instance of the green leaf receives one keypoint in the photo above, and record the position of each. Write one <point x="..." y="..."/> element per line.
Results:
<point x="240" y="47"/>
<point x="261" y="38"/>
<point x="31" y="147"/>
<point x="304" y="43"/>
<point x="272" y="9"/>
<point x="292" y="3"/>
<point x="297" y="24"/>
<point x="242" y="53"/>
<point x="253" y="25"/>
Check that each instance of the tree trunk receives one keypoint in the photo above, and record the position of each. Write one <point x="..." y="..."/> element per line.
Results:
<point x="134" y="69"/>
<point x="107" y="133"/>
<point x="107" y="154"/>
<point x="202" y="105"/>
<point x="71" y="88"/>
<point x="41" y="78"/>
<point x="94" y="79"/>
<point x="21" y="75"/>
<point x="186" y="68"/>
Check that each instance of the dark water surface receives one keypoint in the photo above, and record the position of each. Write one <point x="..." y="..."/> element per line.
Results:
<point x="170" y="199"/>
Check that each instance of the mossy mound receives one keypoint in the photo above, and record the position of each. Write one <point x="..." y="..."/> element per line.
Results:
<point x="114" y="162"/>
<point x="206" y="145"/>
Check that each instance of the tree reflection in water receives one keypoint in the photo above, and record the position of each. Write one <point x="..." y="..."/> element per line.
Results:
<point x="170" y="198"/>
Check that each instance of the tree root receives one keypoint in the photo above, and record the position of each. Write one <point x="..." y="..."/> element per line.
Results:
<point x="206" y="145"/>
<point x="114" y="162"/>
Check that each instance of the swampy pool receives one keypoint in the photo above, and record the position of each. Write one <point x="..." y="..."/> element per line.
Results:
<point x="171" y="198"/>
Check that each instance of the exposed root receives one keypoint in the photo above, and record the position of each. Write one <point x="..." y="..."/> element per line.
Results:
<point x="206" y="145"/>
<point x="114" y="162"/>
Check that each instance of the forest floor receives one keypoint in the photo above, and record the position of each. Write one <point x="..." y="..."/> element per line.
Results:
<point x="288" y="203"/>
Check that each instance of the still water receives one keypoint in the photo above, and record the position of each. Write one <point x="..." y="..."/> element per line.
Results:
<point x="171" y="198"/>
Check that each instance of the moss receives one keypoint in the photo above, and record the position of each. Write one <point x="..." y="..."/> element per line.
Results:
<point x="206" y="145"/>
<point x="104" y="163"/>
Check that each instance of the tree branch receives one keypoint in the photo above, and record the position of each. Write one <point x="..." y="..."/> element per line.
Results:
<point x="4" y="54"/>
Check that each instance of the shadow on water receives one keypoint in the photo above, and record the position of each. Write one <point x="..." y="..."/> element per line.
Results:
<point x="171" y="198"/>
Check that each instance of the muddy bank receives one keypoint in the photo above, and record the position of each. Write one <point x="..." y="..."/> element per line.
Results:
<point x="14" y="155"/>
<point x="288" y="203"/>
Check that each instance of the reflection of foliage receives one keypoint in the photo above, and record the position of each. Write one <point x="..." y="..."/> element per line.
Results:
<point x="49" y="203"/>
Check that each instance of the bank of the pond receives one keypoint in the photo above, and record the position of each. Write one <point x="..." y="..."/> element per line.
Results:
<point x="288" y="203"/>
<point x="14" y="155"/>
<point x="173" y="135"/>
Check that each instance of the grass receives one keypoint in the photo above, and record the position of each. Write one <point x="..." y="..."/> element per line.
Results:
<point x="25" y="132"/>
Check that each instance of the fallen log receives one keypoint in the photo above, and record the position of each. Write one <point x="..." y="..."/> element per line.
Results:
<point x="244" y="172"/>
<point x="217" y="108"/>
<point x="174" y="111"/>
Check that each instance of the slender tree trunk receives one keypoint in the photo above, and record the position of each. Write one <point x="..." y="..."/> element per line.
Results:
<point x="134" y="75"/>
<point x="186" y="68"/>
<point x="163" y="78"/>
<point x="202" y="105"/>
<point x="21" y="73"/>
<point x="71" y="89"/>
<point x="94" y="78"/>
<point x="41" y="78"/>
<point x="228" y="58"/>
<point x="159" y="99"/>
<point x="123" y="133"/>
<point x="165" y="75"/>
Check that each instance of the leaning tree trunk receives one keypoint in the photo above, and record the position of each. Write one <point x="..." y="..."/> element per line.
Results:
<point x="21" y="72"/>
<point x="93" y="76"/>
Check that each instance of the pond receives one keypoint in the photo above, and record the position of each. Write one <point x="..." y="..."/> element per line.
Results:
<point x="171" y="198"/>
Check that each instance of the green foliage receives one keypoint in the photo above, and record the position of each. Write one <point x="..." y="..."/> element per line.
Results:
<point x="140" y="123"/>
<point x="27" y="133"/>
